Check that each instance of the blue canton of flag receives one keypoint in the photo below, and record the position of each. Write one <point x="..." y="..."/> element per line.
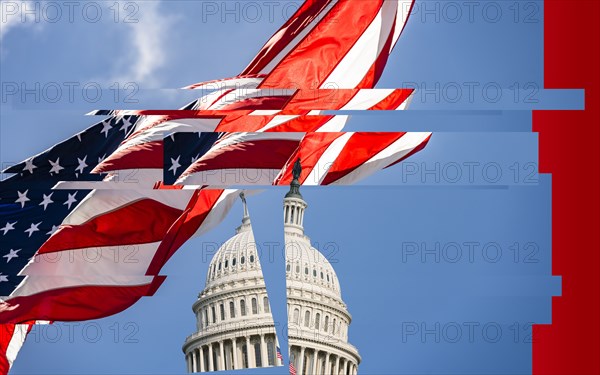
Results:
<point x="182" y="149"/>
<point x="30" y="211"/>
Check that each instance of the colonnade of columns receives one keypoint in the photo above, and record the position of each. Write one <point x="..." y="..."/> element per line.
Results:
<point x="309" y="361"/>
<point x="293" y="212"/>
<point x="230" y="354"/>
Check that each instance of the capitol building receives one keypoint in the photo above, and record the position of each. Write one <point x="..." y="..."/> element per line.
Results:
<point x="235" y="328"/>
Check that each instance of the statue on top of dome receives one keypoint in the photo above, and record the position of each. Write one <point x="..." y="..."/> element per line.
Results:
<point x="297" y="170"/>
<point x="246" y="214"/>
<point x="295" y="184"/>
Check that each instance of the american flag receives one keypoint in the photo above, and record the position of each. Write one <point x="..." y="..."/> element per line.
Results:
<point x="31" y="211"/>
<point x="292" y="369"/>
<point x="62" y="227"/>
<point x="279" y="356"/>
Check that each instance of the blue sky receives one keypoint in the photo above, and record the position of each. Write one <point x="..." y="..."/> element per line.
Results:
<point x="408" y="307"/>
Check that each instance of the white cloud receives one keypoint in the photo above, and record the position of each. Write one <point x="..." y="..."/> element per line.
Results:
<point x="11" y="16"/>
<point x="148" y="39"/>
<point x="144" y="32"/>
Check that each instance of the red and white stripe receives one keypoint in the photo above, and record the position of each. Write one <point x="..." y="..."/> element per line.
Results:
<point x="242" y="159"/>
<point x="12" y="337"/>
<point x="315" y="48"/>
<point x="289" y="111"/>
<point x="254" y="158"/>
<point x="108" y="253"/>
<point x="270" y="102"/>
<point x="345" y="158"/>
<point x="318" y="49"/>
<point x="241" y="81"/>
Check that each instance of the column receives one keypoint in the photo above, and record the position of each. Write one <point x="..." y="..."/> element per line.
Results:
<point x="250" y="352"/>
<point x="263" y="351"/>
<point x="235" y="354"/>
<point x="221" y="356"/>
<point x="188" y="362"/>
<point x="201" y="352"/>
<point x="328" y="364"/>
<point x="301" y="362"/>
<point x="194" y="368"/>
<point x="211" y="365"/>
<point x="345" y="367"/>
<point x="337" y="365"/>
<point x="314" y="362"/>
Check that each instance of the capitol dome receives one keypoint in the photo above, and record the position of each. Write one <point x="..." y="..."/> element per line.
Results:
<point x="236" y="259"/>
<point x="318" y="318"/>
<point x="306" y="267"/>
<point x="235" y="328"/>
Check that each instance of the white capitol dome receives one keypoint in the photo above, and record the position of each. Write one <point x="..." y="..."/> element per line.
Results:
<point x="235" y="327"/>
<point x="318" y="318"/>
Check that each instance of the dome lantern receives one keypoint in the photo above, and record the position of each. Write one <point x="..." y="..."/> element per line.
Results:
<point x="294" y="204"/>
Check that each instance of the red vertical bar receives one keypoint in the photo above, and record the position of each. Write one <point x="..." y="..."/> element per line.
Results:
<point x="569" y="150"/>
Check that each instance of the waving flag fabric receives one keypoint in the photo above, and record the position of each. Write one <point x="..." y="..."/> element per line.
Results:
<point x="12" y="337"/>
<point x="315" y="49"/>
<point x="344" y="158"/>
<point x="30" y="211"/>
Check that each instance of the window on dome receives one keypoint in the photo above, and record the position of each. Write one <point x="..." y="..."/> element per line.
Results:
<point x="243" y="307"/>
<point x="233" y="262"/>
<point x="317" y="320"/>
<point x="219" y="266"/>
<point x="243" y="260"/>
<point x="252" y="258"/>
<point x="297" y="268"/>
<point x="214" y="314"/>
<point x="307" y="319"/>
<point x="231" y="309"/>
<point x="314" y="273"/>
<point x="205" y="317"/>
<point x="254" y="306"/>
<point x="296" y="316"/>
<point x="333" y="328"/>
<point x="321" y="275"/>
<point x="306" y="270"/>
<point x="266" y="307"/>
<point x="226" y="263"/>
<point x="222" y="308"/>
<point x="288" y="267"/>
<point x="327" y="277"/>
<point x="326" y="323"/>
